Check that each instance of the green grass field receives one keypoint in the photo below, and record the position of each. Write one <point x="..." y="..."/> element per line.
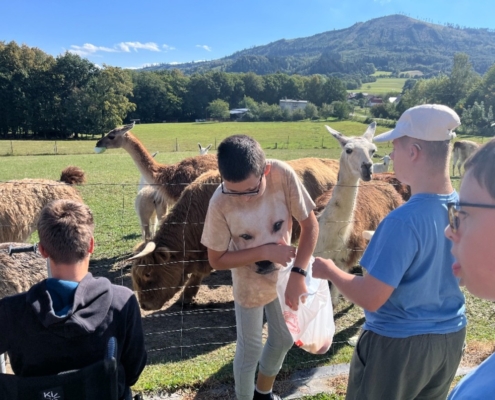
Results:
<point x="382" y="86"/>
<point x="110" y="191"/>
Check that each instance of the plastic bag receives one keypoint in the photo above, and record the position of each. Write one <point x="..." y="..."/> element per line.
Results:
<point x="312" y="325"/>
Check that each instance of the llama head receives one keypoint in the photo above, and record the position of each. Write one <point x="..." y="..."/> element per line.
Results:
<point x="114" y="139"/>
<point x="203" y="150"/>
<point x="386" y="159"/>
<point x="357" y="153"/>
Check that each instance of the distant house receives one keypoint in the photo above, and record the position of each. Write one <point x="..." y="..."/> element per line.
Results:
<point x="238" y="113"/>
<point x="373" y="101"/>
<point x="394" y="100"/>
<point x="293" y="105"/>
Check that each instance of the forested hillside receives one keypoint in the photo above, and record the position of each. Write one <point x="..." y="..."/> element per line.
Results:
<point x="392" y="43"/>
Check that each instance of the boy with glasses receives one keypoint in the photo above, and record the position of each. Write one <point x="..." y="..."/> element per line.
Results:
<point x="248" y="229"/>
<point x="413" y="336"/>
<point x="472" y="221"/>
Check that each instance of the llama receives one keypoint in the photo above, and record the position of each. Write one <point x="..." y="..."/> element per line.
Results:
<point x="19" y="271"/>
<point x="170" y="179"/>
<point x="150" y="207"/>
<point x="21" y="202"/>
<point x="162" y="265"/>
<point x="203" y="150"/>
<point x="401" y="188"/>
<point x="462" y="150"/>
<point x="381" y="167"/>
<point x="352" y="207"/>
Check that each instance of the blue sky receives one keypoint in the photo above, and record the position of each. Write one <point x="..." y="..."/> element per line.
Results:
<point x="131" y="34"/>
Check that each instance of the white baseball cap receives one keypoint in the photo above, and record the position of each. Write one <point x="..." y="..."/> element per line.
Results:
<point x="432" y="122"/>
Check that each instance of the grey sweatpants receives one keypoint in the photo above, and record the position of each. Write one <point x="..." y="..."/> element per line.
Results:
<point x="416" y="367"/>
<point x="250" y="350"/>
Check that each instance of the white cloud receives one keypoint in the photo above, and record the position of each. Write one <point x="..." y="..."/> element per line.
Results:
<point x="127" y="46"/>
<point x="204" y="46"/>
<point x="88" y="48"/>
<point x="122" y="47"/>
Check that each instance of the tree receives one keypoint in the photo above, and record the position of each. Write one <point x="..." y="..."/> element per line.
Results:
<point x="341" y="109"/>
<point x="218" y="109"/>
<point x="326" y="110"/>
<point x="311" y="111"/>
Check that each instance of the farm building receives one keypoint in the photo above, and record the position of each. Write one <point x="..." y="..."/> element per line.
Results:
<point x="292" y="105"/>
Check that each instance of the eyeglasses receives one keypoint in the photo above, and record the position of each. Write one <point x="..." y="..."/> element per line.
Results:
<point x="249" y="193"/>
<point x="455" y="208"/>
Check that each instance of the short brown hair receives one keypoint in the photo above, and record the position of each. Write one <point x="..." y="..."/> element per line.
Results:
<point x="65" y="229"/>
<point x="437" y="151"/>
<point x="482" y="166"/>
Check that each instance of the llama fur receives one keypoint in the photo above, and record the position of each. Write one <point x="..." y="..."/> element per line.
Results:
<point x="21" y="202"/>
<point x="462" y="149"/>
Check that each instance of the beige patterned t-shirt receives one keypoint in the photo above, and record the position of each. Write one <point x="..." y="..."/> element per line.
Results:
<point x="232" y="223"/>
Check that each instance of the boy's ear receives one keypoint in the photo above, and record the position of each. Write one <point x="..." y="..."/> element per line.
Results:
<point x="91" y="245"/>
<point x="268" y="167"/>
<point x="42" y="251"/>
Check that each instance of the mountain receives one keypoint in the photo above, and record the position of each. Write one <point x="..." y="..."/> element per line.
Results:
<point x="393" y="42"/>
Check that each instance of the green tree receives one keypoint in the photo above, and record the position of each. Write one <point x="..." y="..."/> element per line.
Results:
<point x="218" y="109"/>
<point x="311" y="111"/>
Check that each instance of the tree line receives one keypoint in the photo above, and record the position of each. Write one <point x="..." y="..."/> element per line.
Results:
<point x="67" y="96"/>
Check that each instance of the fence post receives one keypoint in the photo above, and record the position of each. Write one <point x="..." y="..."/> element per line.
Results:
<point x="11" y="147"/>
<point x="176" y="145"/>
<point x="215" y="143"/>
<point x="55" y="147"/>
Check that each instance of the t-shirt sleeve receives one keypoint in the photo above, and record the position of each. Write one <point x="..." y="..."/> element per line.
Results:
<point x="301" y="203"/>
<point x="390" y="252"/>
<point x="216" y="234"/>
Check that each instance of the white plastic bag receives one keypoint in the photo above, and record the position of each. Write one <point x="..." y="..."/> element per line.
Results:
<point x="312" y="325"/>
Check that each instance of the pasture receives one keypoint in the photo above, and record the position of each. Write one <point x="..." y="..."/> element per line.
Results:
<point x="192" y="349"/>
<point x="382" y="86"/>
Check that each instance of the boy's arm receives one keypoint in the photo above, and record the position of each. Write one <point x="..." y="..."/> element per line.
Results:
<point x="365" y="291"/>
<point x="307" y="242"/>
<point x="277" y="253"/>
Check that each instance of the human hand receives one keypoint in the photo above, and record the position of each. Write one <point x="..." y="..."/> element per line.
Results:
<point x="280" y="253"/>
<point x="296" y="286"/>
<point x="322" y="267"/>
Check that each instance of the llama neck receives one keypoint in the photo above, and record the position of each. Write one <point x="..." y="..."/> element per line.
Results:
<point x="147" y="166"/>
<point x="336" y="222"/>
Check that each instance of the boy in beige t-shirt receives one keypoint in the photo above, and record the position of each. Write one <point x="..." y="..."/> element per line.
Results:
<point x="247" y="229"/>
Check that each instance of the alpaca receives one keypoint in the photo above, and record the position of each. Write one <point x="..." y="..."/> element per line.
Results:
<point x="345" y="216"/>
<point x="21" y="202"/>
<point x="381" y="167"/>
<point x="203" y="150"/>
<point x="150" y="207"/>
<point x="401" y="188"/>
<point x="18" y="272"/>
<point x="462" y="150"/>
<point x="170" y="180"/>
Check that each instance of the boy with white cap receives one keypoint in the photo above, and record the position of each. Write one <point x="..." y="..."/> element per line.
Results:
<point x="414" y="333"/>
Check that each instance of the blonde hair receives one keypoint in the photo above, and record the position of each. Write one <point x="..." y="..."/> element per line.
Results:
<point x="65" y="229"/>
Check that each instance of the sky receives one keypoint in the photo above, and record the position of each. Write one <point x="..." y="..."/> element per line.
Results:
<point x="137" y="33"/>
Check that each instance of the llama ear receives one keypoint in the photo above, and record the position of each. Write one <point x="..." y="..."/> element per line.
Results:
<point x="200" y="148"/>
<point x="208" y="147"/>
<point x="154" y="154"/>
<point x="337" y="135"/>
<point x="370" y="132"/>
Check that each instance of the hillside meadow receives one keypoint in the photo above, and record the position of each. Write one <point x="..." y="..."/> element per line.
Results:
<point x="110" y="192"/>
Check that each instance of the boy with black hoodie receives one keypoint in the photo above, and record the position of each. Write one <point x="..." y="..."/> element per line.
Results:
<point x="64" y="322"/>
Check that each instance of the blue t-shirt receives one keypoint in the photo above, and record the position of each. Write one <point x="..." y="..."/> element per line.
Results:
<point x="479" y="384"/>
<point x="410" y="252"/>
<point x="62" y="295"/>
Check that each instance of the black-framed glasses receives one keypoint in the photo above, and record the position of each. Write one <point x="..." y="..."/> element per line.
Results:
<point x="455" y="208"/>
<point x="249" y="193"/>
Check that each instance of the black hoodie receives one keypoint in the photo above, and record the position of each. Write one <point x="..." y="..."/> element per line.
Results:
<point x="39" y="342"/>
